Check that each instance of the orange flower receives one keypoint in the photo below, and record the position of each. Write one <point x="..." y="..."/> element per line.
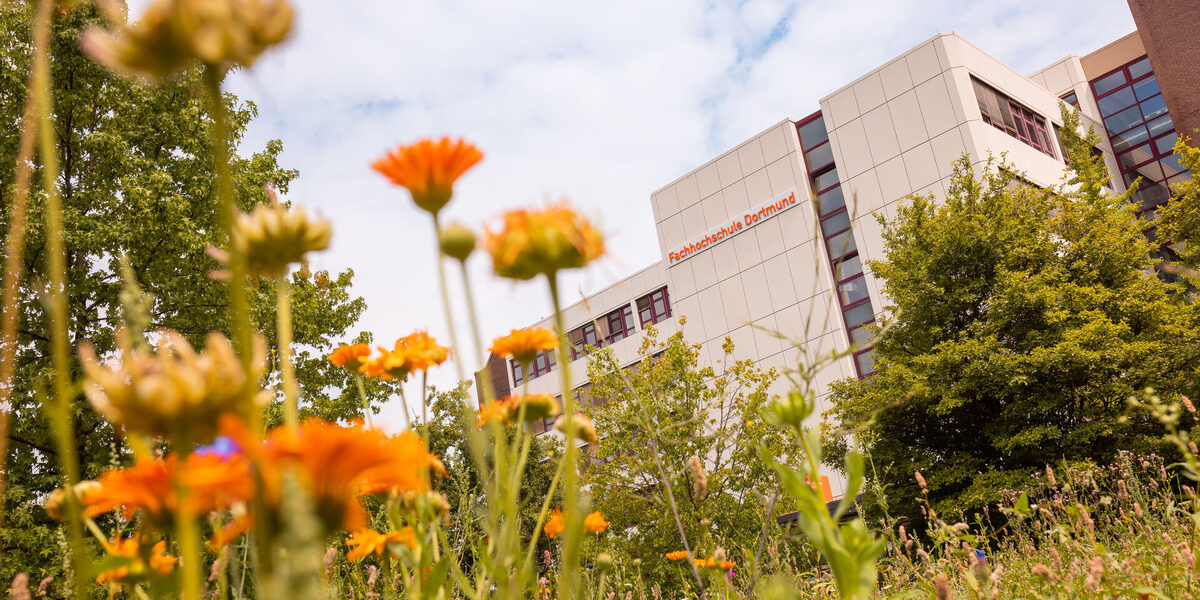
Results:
<point x="376" y="366"/>
<point x="213" y="482"/>
<point x="727" y="565"/>
<point x="350" y="356"/>
<point x="159" y="561"/>
<point x="677" y="555"/>
<point x="365" y="542"/>
<point x="524" y="344"/>
<point x="415" y="352"/>
<point x="231" y="531"/>
<point x="429" y="169"/>
<point x="543" y="242"/>
<point x="336" y="463"/>
<point x="493" y="410"/>
<point x="595" y="523"/>
<point x="555" y="525"/>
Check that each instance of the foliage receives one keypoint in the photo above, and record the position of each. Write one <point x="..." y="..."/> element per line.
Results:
<point x="1179" y="221"/>
<point x="1022" y="320"/>
<point x="656" y="415"/>
<point x="136" y="181"/>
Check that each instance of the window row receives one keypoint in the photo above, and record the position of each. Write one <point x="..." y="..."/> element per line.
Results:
<point x="617" y="325"/>
<point x="852" y="294"/>
<point x="1009" y="116"/>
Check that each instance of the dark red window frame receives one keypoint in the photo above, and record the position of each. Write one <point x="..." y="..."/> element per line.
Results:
<point x="620" y="324"/>
<point x="834" y="223"/>
<point x="543" y="363"/>
<point x="656" y="308"/>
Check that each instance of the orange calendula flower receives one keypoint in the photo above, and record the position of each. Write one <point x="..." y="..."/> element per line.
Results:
<point x="493" y="410"/>
<point x="677" y="555"/>
<point x="595" y="523"/>
<point x="336" y="463"/>
<point x="428" y="169"/>
<point x="727" y="565"/>
<point x="555" y="525"/>
<point x="159" y="561"/>
<point x="366" y="542"/>
<point x="213" y="482"/>
<point x="415" y="352"/>
<point x="543" y="242"/>
<point x="524" y="344"/>
<point x="350" y="356"/>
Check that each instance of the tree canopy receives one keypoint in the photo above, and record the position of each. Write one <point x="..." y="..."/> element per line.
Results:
<point x="136" y="182"/>
<point x="1022" y="319"/>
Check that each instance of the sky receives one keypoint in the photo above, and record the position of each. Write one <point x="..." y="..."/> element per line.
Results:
<point x="602" y="103"/>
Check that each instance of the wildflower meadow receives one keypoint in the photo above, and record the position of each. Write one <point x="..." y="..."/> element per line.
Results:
<point x="218" y="480"/>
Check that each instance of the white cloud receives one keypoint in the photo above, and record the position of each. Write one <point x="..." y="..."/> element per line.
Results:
<point x="603" y="102"/>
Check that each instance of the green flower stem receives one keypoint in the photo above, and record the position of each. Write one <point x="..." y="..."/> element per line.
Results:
<point x="362" y="394"/>
<point x="59" y="406"/>
<point x="291" y="391"/>
<point x="571" y="514"/>
<point x="186" y="533"/>
<point x="227" y="208"/>
<point x="441" y="270"/>
<point x="14" y="249"/>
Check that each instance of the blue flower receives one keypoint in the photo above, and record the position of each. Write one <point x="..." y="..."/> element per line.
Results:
<point x="223" y="447"/>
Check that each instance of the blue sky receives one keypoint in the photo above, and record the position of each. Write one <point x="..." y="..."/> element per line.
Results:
<point x="600" y="102"/>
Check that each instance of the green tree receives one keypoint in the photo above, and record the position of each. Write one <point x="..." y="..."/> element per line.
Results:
<point x="137" y="182"/>
<point x="1023" y="319"/>
<point x="652" y="418"/>
<point x="1180" y="218"/>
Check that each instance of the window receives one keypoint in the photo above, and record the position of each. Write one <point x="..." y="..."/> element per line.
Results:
<point x="582" y="338"/>
<point x="619" y="323"/>
<point x="654" y="307"/>
<point x="1006" y="114"/>
<point x="1071" y="99"/>
<point x="542" y="364"/>
<point x="1141" y="132"/>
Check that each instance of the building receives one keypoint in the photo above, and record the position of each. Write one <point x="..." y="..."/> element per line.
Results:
<point x="777" y="230"/>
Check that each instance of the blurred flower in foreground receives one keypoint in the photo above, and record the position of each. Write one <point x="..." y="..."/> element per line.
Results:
<point x="337" y="463"/>
<point x="56" y="500"/>
<point x="150" y="485"/>
<point x="677" y="555"/>
<point x="350" y="356"/>
<point x="428" y="169"/>
<point x="273" y="236"/>
<point x="542" y="242"/>
<point x="457" y="241"/>
<point x="555" y="525"/>
<point x="366" y="542"/>
<point x="713" y="563"/>
<point x="508" y="410"/>
<point x="584" y="429"/>
<point x="595" y="523"/>
<point x="523" y="345"/>
<point x="136" y="569"/>
<point x="174" y="388"/>
<point x="171" y="33"/>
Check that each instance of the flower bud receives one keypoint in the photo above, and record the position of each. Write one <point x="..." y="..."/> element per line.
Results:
<point x="790" y="410"/>
<point x="273" y="236"/>
<point x="543" y="242"/>
<point x="456" y="241"/>
<point x="582" y="425"/>
<point x="604" y="561"/>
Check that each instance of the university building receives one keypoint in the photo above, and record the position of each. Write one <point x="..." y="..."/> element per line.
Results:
<point x="777" y="231"/>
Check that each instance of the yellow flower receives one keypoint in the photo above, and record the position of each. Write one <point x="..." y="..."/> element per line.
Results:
<point x="543" y="242"/>
<point x="428" y="169"/>
<point x="677" y="555"/>
<point x="171" y="33"/>
<point x="595" y="523"/>
<point x="366" y="542"/>
<point x="136" y="569"/>
<point x="350" y="356"/>
<point x="524" y="344"/>
<point x="156" y="393"/>
<point x="272" y="236"/>
<point x="555" y="525"/>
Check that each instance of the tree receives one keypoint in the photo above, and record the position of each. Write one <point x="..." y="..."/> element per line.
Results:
<point x="1180" y="218"/>
<point x="1022" y="321"/>
<point x="136" y="182"/>
<point x="655" y="416"/>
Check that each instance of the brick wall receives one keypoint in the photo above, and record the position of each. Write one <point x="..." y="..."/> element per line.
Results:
<point x="1168" y="29"/>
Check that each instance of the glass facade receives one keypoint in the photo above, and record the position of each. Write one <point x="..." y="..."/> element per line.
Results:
<point x="855" y="303"/>
<point x="1141" y="132"/>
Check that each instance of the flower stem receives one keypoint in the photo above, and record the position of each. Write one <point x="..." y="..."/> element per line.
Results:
<point x="291" y="391"/>
<point x="14" y="248"/>
<point x="362" y="394"/>
<point x="226" y="210"/>
<point x="441" y="270"/>
<point x="59" y="408"/>
<point x="541" y="520"/>
<point x="186" y="534"/>
<point x="573" y="517"/>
